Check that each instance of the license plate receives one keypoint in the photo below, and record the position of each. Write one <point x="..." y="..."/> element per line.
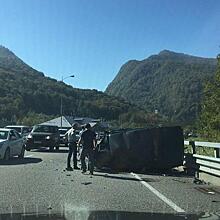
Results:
<point x="37" y="142"/>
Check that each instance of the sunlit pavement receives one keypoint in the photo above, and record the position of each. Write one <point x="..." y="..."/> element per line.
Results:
<point x="40" y="184"/>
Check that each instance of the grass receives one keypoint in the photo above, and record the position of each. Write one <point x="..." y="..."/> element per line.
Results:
<point x="206" y="151"/>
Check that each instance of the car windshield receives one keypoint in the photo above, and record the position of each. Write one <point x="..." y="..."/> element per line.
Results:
<point x="3" y="135"/>
<point x="18" y="129"/>
<point x="45" y="129"/>
<point x="62" y="131"/>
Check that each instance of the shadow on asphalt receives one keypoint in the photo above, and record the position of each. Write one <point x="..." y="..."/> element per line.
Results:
<point x="116" y="177"/>
<point x="152" y="172"/>
<point x="17" y="161"/>
<point x="45" y="150"/>
<point x="108" y="214"/>
<point x="107" y="170"/>
<point x="171" y="172"/>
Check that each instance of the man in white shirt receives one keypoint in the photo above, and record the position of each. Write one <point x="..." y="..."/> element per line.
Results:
<point x="72" y="144"/>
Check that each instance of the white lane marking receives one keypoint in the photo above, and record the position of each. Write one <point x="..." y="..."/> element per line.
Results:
<point x="29" y="155"/>
<point x="159" y="195"/>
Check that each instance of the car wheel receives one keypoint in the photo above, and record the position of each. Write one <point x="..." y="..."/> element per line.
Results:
<point x="21" y="155"/>
<point x="7" y="154"/>
<point x="27" y="148"/>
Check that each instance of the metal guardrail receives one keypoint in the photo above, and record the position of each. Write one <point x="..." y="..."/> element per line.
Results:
<point x="195" y="144"/>
<point x="207" y="164"/>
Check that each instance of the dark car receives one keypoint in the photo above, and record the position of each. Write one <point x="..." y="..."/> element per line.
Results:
<point x="43" y="136"/>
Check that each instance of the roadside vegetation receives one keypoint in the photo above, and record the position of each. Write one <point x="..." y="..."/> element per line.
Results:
<point x="171" y="83"/>
<point x="209" y="126"/>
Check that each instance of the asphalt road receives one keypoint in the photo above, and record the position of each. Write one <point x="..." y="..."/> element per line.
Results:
<point x="39" y="184"/>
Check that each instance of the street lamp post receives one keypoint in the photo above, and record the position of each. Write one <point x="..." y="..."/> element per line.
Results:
<point x="61" y="102"/>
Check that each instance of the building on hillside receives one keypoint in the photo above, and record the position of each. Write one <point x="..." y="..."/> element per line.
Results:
<point x="67" y="121"/>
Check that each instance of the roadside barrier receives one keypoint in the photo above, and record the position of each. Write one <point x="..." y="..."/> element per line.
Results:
<point x="208" y="167"/>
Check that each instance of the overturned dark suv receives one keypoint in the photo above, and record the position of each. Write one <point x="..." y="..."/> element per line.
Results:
<point x="43" y="136"/>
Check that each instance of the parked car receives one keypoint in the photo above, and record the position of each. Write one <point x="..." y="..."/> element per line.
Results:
<point x="11" y="144"/>
<point x="63" y="141"/>
<point x="21" y="129"/>
<point x="43" y="136"/>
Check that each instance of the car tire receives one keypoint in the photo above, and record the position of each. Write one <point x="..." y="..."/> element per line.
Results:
<point x="27" y="148"/>
<point x="7" y="154"/>
<point x="21" y="155"/>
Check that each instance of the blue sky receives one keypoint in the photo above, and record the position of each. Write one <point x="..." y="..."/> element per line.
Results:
<point x="93" y="38"/>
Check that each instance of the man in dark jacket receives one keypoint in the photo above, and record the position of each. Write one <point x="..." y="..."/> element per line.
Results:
<point x="88" y="141"/>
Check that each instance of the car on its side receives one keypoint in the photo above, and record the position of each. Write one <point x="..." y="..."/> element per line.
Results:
<point x="43" y="136"/>
<point x="11" y="144"/>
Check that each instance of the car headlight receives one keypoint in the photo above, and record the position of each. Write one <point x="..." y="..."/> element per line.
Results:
<point x="48" y="137"/>
<point x="30" y="136"/>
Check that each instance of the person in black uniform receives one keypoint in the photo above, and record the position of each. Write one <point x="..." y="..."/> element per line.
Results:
<point x="88" y="141"/>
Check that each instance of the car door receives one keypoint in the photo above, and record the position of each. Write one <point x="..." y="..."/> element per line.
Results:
<point x="18" y="143"/>
<point x="12" y="142"/>
<point x="15" y="143"/>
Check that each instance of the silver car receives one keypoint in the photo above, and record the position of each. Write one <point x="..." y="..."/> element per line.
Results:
<point x="11" y="144"/>
<point x="21" y="129"/>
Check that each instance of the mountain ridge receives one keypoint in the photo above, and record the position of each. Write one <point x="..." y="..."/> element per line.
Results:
<point x="165" y="81"/>
<point x="9" y="61"/>
<point x="27" y="96"/>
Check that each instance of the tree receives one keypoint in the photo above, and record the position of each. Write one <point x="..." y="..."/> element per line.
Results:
<point x="210" y="117"/>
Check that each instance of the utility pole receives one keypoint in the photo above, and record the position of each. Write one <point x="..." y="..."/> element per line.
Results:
<point x="61" y="102"/>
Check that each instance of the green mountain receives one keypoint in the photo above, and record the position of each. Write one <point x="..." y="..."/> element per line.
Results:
<point x="171" y="83"/>
<point x="27" y="96"/>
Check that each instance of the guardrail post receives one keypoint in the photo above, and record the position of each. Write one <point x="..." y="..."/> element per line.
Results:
<point x="192" y="143"/>
<point x="216" y="152"/>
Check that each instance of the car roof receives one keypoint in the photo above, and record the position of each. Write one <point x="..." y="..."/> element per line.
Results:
<point x="5" y="129"/>
<point x="17" y="126"/>
<point x="47" y="125"/>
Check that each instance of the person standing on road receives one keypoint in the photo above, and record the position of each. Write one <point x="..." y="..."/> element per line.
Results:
<point x="72" y="144"/>
<point x="82" y="130"/>
<point x="79" y="147"/>
<point x="88" y="141"/>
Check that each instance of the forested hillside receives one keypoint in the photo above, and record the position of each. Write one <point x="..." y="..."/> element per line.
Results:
<point x="171" y="83"/>
<point x="209" y="125"/>
<point x="27" y="96"/>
